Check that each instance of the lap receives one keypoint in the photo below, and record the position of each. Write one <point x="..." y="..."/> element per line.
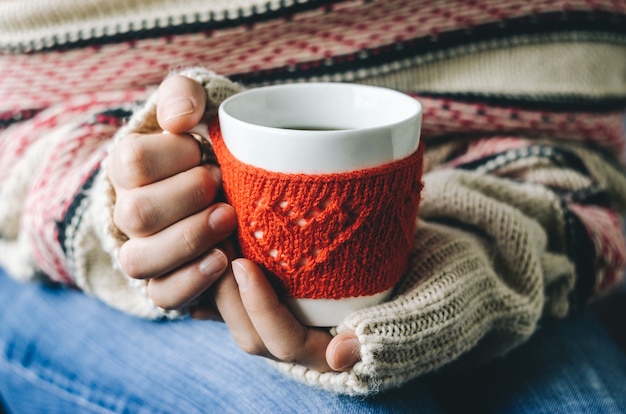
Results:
<point x="68" y="352"/>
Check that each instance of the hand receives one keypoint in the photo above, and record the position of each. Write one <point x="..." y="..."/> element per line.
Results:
<point x="262" y="325"/>
<point x="165" y="202"/>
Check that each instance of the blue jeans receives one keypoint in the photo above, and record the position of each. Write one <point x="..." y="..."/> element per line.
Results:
<point x="62" y="351"/>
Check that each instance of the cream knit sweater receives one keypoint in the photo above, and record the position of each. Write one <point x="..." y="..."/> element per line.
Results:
<point x="523" y="182"/>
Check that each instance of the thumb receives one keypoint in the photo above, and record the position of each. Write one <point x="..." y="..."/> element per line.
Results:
<point x="343" y="351"/>
<point x="180" y="104"/>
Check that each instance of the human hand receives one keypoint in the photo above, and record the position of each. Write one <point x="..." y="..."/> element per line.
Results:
<point x="166" y="202"/>
<point x="262" y="325"/>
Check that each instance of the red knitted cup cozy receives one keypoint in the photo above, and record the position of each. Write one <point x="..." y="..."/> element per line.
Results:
<point x="325" y="236"/>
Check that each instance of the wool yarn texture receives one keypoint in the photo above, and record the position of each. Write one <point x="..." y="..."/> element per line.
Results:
<point x="521" y="213"/>
<point x="328" y="236"/>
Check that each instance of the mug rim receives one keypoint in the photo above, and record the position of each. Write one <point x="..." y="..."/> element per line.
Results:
<point x="374" y="130"/>
<point x="225" y="111"/>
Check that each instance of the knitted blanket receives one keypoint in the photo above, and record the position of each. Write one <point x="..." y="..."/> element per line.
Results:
<point x="524" y="181"/>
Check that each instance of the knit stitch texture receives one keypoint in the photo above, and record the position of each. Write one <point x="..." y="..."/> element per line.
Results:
<point x="523" y="125"/>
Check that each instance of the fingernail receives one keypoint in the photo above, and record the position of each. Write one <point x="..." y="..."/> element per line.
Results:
<point x="214" y="264"/>
<point x="241" y="275"/>
<point x="178" y="106"/>
<point x="346" y="353"/>
<point x="222" y="219"/>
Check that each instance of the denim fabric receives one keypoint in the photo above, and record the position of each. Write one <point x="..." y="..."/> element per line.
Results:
<point x="64" y="352"/>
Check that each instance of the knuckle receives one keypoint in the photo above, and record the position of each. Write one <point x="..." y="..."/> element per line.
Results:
<point x="163" y="303"/>
<point x="204" y="185"/>
<point x="290" y="350"/>
<point x="190" y="242"/>
<point x="135" y="215"/>
<point x="135" y="162"/>
<point x="131" y="261"/>
<point x="285" y="354"/>
<point x="162" y="298"/>
<point x="251" y="346"/>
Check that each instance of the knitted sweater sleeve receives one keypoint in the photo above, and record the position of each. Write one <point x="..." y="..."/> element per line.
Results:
<point x="493" y="255"/>
<point x="50" y="159"/>
<point x="57" y="203"/>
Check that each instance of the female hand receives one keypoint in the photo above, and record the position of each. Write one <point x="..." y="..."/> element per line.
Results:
<point x="166" y="202"/>
<point x="262" y="325"/>
<point x="166" y="206"/>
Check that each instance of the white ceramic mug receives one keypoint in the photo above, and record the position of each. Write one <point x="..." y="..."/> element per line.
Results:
<point x="321" y="128"/>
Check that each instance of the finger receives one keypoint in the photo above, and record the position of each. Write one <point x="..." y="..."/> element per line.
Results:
<point x="146" y="210"/>
<point x="205" y="308"/>
<point x="167" y="250"/>
<point x="142" y="159"/>
<point x="283" y="335"/>
<point x="230" y="307"/>
<point x="180" y="104"/>
<point x="187" y="283"/>
<point x="343" y="351"/>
